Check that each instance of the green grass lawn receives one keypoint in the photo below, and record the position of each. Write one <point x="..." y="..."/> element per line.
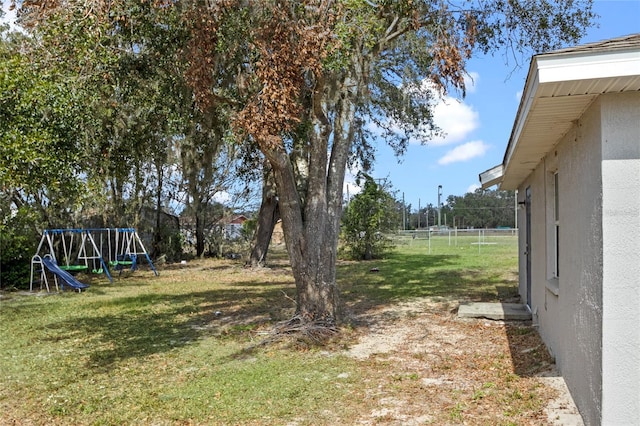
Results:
<point x="458" y="269"/>
<point x="183" y="347"/>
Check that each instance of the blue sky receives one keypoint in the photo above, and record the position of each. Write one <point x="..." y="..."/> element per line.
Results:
<point x="479" y="126"/>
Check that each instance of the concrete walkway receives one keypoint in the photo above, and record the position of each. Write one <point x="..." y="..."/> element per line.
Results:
<point x="494" y="311"/>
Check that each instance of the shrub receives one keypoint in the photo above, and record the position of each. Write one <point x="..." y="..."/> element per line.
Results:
<point x="18" y="242"/>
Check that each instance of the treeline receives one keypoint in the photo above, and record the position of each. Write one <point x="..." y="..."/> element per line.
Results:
<point x="478" y="209"/>
<point x="482" y="209"/>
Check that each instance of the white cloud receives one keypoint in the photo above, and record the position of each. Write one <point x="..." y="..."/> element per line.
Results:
<point x="222" y="197"/>
<point x="473" y="187"/>
<point x="456" y="119"/>
<point x="464" y="152"/>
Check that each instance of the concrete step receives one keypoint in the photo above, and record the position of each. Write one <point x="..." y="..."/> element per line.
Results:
<point x="494" y="311"/>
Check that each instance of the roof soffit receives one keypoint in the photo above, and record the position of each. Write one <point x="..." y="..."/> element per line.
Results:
<point x="559" y="89"/>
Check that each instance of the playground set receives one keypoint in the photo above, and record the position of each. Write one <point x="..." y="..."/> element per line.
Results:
<point x="64" y="251"/>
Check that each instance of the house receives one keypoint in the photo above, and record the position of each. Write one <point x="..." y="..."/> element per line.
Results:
<point x="233" y="228"/>
<point x="574" y="158"/>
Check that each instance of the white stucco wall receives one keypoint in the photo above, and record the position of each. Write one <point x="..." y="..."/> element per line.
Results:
<point x="568" y="309"/>
<point x="580" y="283"/>
<point x="621" y="259"/>
<point x="590" y="317"/>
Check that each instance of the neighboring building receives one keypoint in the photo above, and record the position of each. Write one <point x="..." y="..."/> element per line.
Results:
<point x="574" y="157"/>
<point x="233" y="227"/>
<point x="277" y="237"/>
<point x="217" y="230"/>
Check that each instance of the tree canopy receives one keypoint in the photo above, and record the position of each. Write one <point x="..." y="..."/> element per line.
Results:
<point x="307" y="85"/>
<point x="317" y="72"/>
<point x="99" y="127"/>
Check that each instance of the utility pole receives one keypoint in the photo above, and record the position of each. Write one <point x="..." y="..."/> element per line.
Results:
<point x="439" y="205"/>
<point x="418" y="213"/>
<point x="404" y="214"/>
<point x="427" y="216"/>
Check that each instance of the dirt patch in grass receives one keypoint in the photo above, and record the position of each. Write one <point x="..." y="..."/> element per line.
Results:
<point x="426" y="366"/>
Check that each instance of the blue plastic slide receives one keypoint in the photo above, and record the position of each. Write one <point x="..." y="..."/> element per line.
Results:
<point x="65" y="276"/>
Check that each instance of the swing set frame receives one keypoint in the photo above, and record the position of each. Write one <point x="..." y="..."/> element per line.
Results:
<point x="124" y="248"/>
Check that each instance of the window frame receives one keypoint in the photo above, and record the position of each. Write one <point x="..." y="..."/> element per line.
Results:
<point x="555" y="272"/>
<point x="553" y="241"/>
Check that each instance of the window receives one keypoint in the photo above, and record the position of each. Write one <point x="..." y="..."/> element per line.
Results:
<point x="552" y="222"/>
<point x="556" y="225"/>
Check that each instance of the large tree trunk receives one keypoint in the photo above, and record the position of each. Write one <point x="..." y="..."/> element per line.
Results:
<point x="200" y="221"/>
<point x="157" y="234"/>
<point x="268" y="216"/>
<point x="348" y="92"/>
<point x="317" y="298"/>
<point x="311" y="229"/>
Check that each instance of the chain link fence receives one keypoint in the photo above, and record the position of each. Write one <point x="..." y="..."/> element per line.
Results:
<point x="444" y="240"/>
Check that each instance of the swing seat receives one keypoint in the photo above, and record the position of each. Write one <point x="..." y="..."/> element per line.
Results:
<point x="120" y="263"/>
<point x="125" y="261"/>
<point x="73" y="268"/>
